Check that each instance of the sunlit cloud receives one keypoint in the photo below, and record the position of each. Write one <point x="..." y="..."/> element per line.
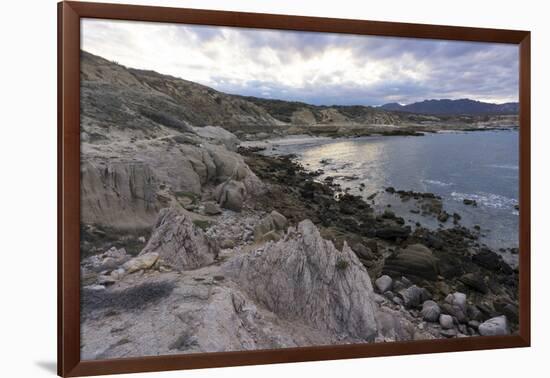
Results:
<point x="317" y="68"/>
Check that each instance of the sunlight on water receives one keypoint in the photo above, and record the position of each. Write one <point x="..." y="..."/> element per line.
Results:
<point x="454" y="166"/>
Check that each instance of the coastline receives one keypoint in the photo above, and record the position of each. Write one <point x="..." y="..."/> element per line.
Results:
<point x="190" y="244"/>
<point x="365" y="177"/>
<point x="462" y="261"/>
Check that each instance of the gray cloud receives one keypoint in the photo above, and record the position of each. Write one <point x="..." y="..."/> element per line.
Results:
<point x="317" y="68"/>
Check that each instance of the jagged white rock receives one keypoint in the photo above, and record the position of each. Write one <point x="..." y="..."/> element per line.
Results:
<point x="305" y="277"/>
<point x="179" y="243"/>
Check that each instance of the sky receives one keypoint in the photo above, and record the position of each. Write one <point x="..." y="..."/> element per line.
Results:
<point x="316" y="68"/>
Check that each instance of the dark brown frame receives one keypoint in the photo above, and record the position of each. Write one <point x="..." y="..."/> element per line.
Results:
<point x="69" y="15"/>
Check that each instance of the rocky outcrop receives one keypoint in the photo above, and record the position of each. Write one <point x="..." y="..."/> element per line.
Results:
<point x="305" y="277"/>
<point x="271" y="227"/>
<point x="231" y="195"/>
<point x="179" y="243"/>
<point x="118" y="193"/>
<point x="218" y="135"/>
<point x="124" y="185"/>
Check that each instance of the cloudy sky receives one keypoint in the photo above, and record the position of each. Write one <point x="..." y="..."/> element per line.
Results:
<point x="317" y="68"/>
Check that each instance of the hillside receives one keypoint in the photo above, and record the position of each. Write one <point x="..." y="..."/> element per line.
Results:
<point x="154" y="103"/>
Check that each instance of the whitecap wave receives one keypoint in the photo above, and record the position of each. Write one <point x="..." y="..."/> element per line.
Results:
<point x="436" y="182"/>
<point x="504" y="166"/>
<point x="491" y="200"/>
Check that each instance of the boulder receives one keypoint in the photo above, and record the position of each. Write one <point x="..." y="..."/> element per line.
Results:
<point x="384" y="283"/>
<point x="231" y="195"/>
<point x="179" y="243"/>
<point x="305" y="277"/>
<point x="456" y="305"/>
<point x="279" y="220"/>
<point x="144" y="261"/>
<point x="363" y="252"/>
<point x="212" y="208"/>
<point x="271" y="227"/>
<point x="510" y="310"/>
<point x="430" y="311"/>
<point x="446" y="321"/>
<point x="414" y="296"/>
<point x="416" y="260"/>
<point x="443" y="216"/>
<point x="475" y="282"/>
<point x="494" y="327"/>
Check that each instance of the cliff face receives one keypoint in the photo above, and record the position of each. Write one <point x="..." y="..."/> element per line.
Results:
<point x="140" y="151"/>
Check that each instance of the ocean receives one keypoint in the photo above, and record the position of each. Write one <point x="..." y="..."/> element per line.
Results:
<point x="479" y="165"/>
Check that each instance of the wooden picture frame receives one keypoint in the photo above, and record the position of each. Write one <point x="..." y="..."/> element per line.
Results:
<point x="69" y="15"/>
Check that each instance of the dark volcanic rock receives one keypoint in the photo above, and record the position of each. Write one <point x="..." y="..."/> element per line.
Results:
<point x="393" y="232"/>
<point x="443" y="216"/>
<point x="491" y="261"/>
<point x="509" y="309"/>
<point x="416" y="260"/>
<point x="471" y="202"/>
<point x="474" y="281"/>
<point x="363" y="252"/>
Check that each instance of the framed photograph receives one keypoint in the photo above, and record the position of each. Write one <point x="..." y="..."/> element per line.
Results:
<point x="240" y="188"/>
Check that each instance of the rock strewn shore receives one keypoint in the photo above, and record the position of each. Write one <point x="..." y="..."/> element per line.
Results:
<point x="188" y="246"/>
<point x="453" y="260"/>
<point x="191" y="278"/>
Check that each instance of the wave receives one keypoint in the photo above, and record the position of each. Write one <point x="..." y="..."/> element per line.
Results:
<point x="437" y="183"/>
<point x="491" y="200"/>
<point x="504" y="166"/>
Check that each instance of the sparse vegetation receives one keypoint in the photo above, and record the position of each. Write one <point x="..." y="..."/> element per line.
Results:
<point x="164" y="119"/>
<point x="341" y="264"/>
<point x="96" y="239"/>
<point x="202" y="224"/>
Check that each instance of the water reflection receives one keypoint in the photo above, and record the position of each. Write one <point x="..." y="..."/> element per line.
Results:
<point x="474" y="165"/>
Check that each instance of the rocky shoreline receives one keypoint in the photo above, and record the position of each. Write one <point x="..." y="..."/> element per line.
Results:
<point x="191" y="245"/>
<point x="253" y="262"/>
<point x="358" y="131"/>
<point x="443" y="261"/>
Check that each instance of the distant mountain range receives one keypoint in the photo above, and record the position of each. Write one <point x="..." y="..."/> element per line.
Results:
<point x="454" y="107"/>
